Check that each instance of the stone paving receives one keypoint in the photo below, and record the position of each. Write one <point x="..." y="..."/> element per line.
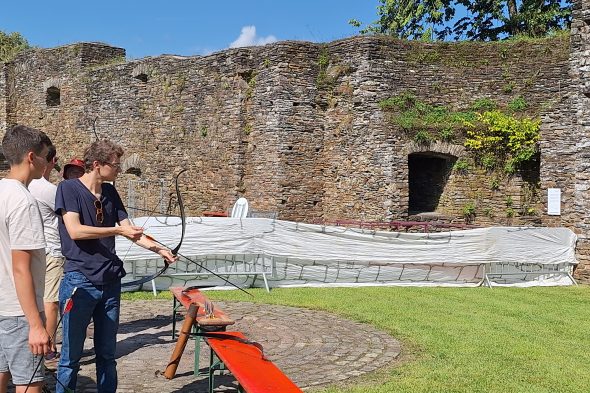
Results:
<point x="313" y="348"/>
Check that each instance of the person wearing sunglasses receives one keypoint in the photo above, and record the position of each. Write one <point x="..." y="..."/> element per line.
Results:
<point x="23" y="336"/>
<point x="91" y="214"/>
<point x="44" y="192"/>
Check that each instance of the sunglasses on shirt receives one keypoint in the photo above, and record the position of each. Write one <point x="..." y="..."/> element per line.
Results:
<point x="99" y="213"/>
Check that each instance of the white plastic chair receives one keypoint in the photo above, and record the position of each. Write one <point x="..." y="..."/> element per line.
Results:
<point x="240" y="209"/>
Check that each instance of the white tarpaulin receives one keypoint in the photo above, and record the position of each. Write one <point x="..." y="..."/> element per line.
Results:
<point x="314" y="254"/>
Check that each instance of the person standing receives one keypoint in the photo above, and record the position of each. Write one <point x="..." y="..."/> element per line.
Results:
<point x="74" y="169"/>
<point x="23" y="337"/>
<point x="89" y="210"/>
<point x="44" y="192"/>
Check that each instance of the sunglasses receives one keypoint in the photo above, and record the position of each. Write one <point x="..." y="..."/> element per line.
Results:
<point x="114" y="165"/>
<point x="99" y="214"/>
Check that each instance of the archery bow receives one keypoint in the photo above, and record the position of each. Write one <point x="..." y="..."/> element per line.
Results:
<point x="175" y="250"/>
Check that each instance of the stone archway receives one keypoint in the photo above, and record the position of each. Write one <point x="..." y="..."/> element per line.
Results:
<point x="428" y="173"/>
<point x="429" y="168"/>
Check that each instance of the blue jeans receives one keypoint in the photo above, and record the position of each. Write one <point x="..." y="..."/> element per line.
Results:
<point x="102" y="303"/>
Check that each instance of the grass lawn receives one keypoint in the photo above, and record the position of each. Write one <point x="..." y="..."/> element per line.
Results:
<point x="460" y="339"/>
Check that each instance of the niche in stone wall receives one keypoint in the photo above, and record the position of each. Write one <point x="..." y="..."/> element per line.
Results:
<point x="428" y="176"/>
<point x="142" y="77"/>
<point x="133" y="164"/>
<point x="141" y="72"/>
<point x="53" y="96"/>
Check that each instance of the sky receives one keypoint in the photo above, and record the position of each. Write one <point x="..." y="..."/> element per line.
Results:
<point x="183" y="27"/>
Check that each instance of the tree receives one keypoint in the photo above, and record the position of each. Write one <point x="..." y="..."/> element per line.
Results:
<point x="11" y="44"/>
<point x="480" y="20"/>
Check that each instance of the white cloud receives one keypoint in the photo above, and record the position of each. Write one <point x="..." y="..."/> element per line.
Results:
<point x="248" y="38"/>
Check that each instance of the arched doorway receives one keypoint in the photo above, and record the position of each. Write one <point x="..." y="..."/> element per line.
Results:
<point x="428" y="175"/>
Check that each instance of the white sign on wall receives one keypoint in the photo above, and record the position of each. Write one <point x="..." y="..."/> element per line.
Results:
<point x="554" y="201"/>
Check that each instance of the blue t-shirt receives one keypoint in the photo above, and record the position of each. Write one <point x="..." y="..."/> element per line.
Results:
<point x="95" y="258"/>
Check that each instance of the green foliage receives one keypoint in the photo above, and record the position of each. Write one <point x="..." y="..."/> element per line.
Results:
<point x="495" y="137"/>
<point x="461" y="166"/>
<point x="412" y="114"/>
<point x="488" y="161"/>
<point x="441" y="332"/>
<point x="529" y="211"/>
<point x="446" y="135"/>
<point x="509" y="201"/>
<point x="404" y="101"/>
<point x="509" y="212"/>
<point x="204" y="131"/>
<point x="323" y="79"/>
<point x="508" y="87"/>
<point x="11" y="45"/>
<point x="469" y="211"/>
<point x="510" y="139"/>
<point x="482" y="20"/>
<point x="518" y="104"/>
<point x="495" y="183"/>
<point x="422" y="138"/>
<point x="484" y="104"/>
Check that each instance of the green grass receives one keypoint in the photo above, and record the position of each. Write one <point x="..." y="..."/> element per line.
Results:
<point x="460" y="339"/>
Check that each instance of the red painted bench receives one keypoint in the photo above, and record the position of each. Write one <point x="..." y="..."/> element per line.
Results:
<point x="217" y="320"/>
<point x="246" y="362"/>
<point x="229" y="350"/>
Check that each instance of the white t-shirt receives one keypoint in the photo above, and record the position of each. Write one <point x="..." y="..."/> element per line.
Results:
<point x="44" y="192"/>
<point x="21" y="228"/>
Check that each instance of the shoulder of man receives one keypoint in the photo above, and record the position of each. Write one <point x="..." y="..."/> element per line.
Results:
<point x="70" y="184"/>
<point x="108" y="188"/>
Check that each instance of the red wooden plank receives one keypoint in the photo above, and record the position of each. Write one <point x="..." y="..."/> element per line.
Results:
<point x="194" y="296"/>
<point x="245" y="362"/>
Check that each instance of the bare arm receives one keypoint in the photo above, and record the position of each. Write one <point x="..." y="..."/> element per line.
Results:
<point x="77" y="231"/>
<point x="146" y="242"/>
<point x="25" y="291"/>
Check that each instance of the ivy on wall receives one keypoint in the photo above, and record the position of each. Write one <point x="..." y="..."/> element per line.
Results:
<point x="497" y="137"/>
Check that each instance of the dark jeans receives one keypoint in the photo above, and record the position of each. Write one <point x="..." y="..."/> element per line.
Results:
<point x="101" y="303"/>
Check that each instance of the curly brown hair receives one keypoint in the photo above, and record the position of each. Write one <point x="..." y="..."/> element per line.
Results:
<point x="102" y="151"/>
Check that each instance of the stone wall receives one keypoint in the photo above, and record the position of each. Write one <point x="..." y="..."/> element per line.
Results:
<point x="575" y="137"/>
<point x="296" y="127"/>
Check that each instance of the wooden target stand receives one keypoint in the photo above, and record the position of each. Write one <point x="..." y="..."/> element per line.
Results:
<point x="201" y="317"/>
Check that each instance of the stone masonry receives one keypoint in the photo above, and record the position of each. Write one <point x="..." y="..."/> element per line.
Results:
<point x="296" y="127"/>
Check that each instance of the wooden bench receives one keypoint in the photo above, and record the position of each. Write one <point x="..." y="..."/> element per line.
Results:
<point x="246" y="362"/>
<point x="228" y="350"/>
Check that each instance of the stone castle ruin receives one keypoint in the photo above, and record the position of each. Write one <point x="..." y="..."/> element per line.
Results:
<point x="301" y="128"/>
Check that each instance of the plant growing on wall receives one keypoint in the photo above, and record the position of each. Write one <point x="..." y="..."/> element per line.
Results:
<point x="461" y="166"/>
<point x="506" y="138"/>
<point x="497" y="138"/>
<point x="469" y="212"/>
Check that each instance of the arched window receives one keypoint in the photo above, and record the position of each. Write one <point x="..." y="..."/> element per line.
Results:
<point x="134" y="171"/>
<point x="53" y="97"/>
<point x="428" y="175"/>
<point x="142" y="77"/>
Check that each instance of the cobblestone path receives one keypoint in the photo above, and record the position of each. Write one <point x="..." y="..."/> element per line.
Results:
<point x="313" y="348"/>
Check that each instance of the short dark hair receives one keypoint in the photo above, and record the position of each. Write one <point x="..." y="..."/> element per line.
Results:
<point x="102" y="151"/>
<point x="51" y="152"/>
<point x="19" y="140"/>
